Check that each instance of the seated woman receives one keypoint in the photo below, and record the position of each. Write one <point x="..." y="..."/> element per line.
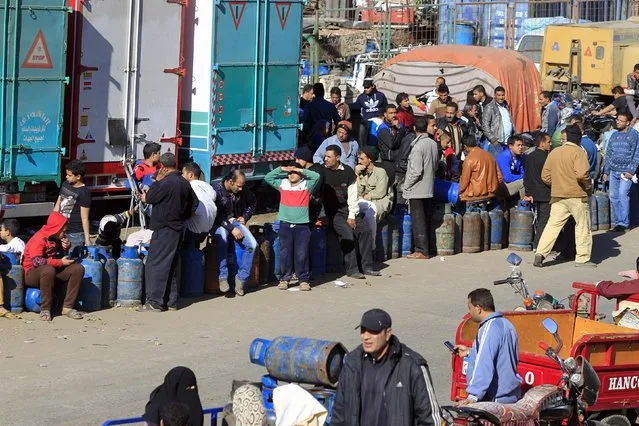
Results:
<point x="373" y="189"/>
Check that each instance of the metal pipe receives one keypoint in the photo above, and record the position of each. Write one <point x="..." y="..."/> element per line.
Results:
<point x="3" y="92"/>
<point x="127" y="77"/>
<point x="14" y="88"/>
<point x="263" y="78"/>
<point x="316" y="44"/>
<point x="255" y="74"/>
<point x="135" y="59"/>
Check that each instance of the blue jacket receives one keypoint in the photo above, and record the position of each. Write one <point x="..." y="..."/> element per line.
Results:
<point x="589" y="146"/>
<point x="622" y="152"/>
<point x="512" y="169"/>
<point x="492" y="365"/>
<point x="320" y="109"/>
<point x="349" y="159"/>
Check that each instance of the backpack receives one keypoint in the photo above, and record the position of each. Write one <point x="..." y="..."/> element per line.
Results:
<point x="405" y="147"/>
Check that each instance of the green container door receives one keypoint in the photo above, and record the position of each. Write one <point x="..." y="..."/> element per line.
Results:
<point x="32" y="73"/>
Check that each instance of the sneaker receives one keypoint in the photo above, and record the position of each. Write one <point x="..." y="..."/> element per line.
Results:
<point x="304" y="286"/>
<point x="224" y="285"/>
<point x="585" y="265"/>
<point x="239" y="288"/>
<point x="373" y="273"/>
<point x="357" y="276"/>
<point x="147" y="307"/>
<point x="539" y="261"/>
<point x="283" y="285"/>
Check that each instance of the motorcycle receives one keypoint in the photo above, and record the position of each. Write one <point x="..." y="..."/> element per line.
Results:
<point x="541" y="300"/>
<point x="561" y="404"/>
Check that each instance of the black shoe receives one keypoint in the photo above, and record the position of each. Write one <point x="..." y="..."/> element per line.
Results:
<point x="357" y="275"/>
<point x="147" y="307"/>
<point x="539" y="261"/>
<point x="373" y="273"/>
<point x="619" y="228"/>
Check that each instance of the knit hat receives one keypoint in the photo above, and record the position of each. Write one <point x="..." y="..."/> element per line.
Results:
<point x="573" y="134"/>
<point x="304" y="153"/>
<point x="369" y="152"/>
<point x="346" y="125"/>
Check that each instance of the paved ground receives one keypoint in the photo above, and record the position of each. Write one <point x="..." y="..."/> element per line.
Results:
<point x="83" y="372"/>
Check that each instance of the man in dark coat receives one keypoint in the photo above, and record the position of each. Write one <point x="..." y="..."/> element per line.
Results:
<point x="383" y="382"/>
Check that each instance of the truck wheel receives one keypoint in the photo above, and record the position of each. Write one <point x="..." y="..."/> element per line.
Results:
<point x="616" y="420"/>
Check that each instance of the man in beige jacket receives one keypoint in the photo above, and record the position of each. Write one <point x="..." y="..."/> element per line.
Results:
<point x="566" y="171"/>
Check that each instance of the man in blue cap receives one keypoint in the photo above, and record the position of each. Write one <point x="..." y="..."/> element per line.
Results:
<point x="370" y="390"/>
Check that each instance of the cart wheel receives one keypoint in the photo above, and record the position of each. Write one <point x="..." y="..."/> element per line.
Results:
<point x="616" y="420"/>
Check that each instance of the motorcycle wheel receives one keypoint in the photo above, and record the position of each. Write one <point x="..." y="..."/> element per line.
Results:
<point x="616" y="420"/>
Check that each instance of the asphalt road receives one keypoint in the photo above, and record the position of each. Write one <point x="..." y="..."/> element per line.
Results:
<point x="82" y="372"/>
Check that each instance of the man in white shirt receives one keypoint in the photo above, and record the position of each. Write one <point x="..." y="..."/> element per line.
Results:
<point x="8" y="232"/>
<point x="202" y="221"/>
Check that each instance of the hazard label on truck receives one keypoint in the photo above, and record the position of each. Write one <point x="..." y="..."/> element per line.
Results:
<point x="38" y="55"/>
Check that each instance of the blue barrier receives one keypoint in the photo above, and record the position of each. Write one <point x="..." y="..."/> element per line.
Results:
<point x="212" y="411"/>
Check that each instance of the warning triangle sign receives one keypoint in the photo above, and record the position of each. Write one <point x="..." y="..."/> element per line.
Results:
<point x="588" y="52"/>
<point x="237" y="10"/>
<point x="283" y="9"/>
<point x="38" y="55"/>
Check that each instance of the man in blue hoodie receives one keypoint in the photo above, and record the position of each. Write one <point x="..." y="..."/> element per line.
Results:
<point x="492" y="361"/>
<point x="511" y="164"/>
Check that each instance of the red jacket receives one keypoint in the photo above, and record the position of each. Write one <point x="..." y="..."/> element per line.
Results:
<point x="41" y="248"/>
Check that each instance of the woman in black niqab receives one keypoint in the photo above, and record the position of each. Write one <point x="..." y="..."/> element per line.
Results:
<point x="179" y="385"/>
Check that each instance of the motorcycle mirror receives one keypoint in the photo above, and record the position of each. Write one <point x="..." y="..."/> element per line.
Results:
<point x="550" y="325"/>
<point x="513" y="259"/>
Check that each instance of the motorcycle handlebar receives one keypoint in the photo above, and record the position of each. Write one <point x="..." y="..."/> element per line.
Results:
<point x="544" y="346"/>
<point x="500" y="282"/>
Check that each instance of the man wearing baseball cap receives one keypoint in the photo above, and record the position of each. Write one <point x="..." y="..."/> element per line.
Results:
<point x="383" y="382"/>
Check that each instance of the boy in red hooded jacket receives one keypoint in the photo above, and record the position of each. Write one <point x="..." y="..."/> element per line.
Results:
<point x="44" y="265"/>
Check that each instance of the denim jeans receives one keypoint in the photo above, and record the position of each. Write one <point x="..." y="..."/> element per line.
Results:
<point x="295" y="241"/>
<point x="620" y="199"/>
<point x="248" y="244"/>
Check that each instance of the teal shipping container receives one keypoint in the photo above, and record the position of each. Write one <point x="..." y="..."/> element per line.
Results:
<point x="239" y="106"/>
<point x="32" y="75"/>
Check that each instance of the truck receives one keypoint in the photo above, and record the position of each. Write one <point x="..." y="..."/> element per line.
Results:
<point x="589" y="59"/>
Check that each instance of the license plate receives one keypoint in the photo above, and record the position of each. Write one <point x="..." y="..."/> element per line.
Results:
<point x="465" y="366"/>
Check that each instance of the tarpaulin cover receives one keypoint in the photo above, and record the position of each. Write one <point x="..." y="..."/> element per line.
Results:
<point x="414" y="72"/>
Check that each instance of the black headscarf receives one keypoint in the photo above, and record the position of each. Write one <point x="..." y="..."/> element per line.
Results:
<point x="179" y="385"/>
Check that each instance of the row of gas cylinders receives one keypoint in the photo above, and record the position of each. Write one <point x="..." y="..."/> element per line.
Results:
<point x="106" y="281"/>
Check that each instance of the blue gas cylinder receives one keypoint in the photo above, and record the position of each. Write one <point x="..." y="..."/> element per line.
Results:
<point x="299" y="359"/>
<point x="13" y="280"/>
<point x="318" y="250"/>
<point x="276" y="249"/>
<point x="407" y="235"/>
<point x="32" y="300"/>
<point x="192" y="271"/>
<point x="110" y="275"/>
<point x="604" y="210"/>
<point x="90" y="297"/>
<point x="381" y="241"/>
<point x="130" y="277"/>
<point x="520" y="235"/>
<point x="395" y="240"/>
<point x="446" y="191"/>
<point x="594" y="219"/>
<point x="496" y="226"/>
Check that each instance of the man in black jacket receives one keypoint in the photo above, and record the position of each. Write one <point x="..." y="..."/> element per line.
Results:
<point x="173" y="202"/>
<point x="383" y="382"/>
<point x="389" y="139"/>
<point x="537" y="192"/>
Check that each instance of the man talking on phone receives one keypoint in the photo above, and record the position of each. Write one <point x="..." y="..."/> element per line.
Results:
<point x="492" y="361"/>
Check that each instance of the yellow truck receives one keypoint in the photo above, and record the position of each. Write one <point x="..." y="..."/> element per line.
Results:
<point x="589" y="58"/>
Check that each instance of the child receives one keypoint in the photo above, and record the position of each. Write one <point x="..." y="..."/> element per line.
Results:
<point x="109" y="231"/>
<point x="294" y="233"/>
<point x="448" y="155"/>
<point x="74" y="202"/>
<point x="8" y="232"/>
<point x="145" y="169"/>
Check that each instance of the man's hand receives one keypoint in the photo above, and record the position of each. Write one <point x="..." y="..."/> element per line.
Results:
<point x="462" y="350"/>
<point x="396" y="123"/>
<point x="241" y="220"/>
<point x="237" y="234"/>
<point x="66" y="261"/>
<point x="66" y="244"/>
<point x="464" y="402"/>
<point x="528" y="198"/>
<point x="143" y="196"/>
<point x="359" y="168"/>
<point x="627" y="175"/>
<point x="162" y="174"/>
<point x="604" y="178"/>
<point x="351" y="223"/>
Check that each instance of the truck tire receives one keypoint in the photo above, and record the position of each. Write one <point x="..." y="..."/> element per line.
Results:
<point x="616" y="420"/>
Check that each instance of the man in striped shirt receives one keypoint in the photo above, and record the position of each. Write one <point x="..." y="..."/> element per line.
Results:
<point x="294" y="231"/>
